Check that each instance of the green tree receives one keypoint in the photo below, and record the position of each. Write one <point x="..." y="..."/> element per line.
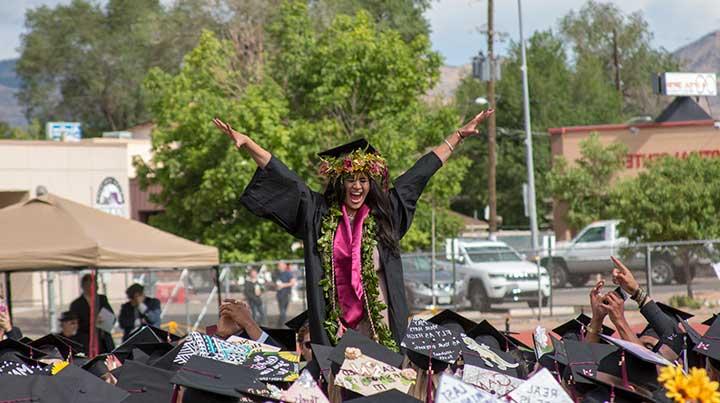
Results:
<point x="86" y="62"/>
<point x="620" y="45"/>
<point x="673" y="200"/>
<point x="584" y="187"/>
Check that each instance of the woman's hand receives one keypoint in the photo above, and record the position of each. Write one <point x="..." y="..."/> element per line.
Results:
<point x="238" y="138"/>
<point x="470" y="129"/>
<point x="623" y="277"/>
<point x="596" y="302"/>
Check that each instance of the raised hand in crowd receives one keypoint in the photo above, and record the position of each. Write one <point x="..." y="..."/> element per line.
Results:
<point x="242" y="141"/>
<point x="239" y="312"/>
<point x="623" y="277"/>
<point x="598" y="312"/>
<point x="614" y="305"/>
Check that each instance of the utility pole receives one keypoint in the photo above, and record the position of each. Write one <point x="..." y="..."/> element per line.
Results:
<point x="491" y="125"/>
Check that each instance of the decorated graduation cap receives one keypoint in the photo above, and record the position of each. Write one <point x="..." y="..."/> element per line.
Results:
<point x="369" y="347"/>
<point x="357" y="156"/>
<point x="576" y="329"/>
<point x="491" y="358"/>
<point x="632" y="364"/>
<point x="709" y="344"/>
<point x="484" y="332"/>
<point x="431" y="346"/>
<point x="611" y="388"/>
<point x="144" y="383"/>
<point x="392" y="395"/>
<point x="453" y="321"/>
<point x="583" y="359"/>
<point x="64" y="346"/>
<point x="23" y="369"/>
<point x="216" y="377"/>
<point x="297" y="322"/>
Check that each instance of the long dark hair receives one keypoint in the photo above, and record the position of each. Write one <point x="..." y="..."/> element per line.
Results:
<point x="378" y="201"/>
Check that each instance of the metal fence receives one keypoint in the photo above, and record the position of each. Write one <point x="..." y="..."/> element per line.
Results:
<point x="475" y="275"/>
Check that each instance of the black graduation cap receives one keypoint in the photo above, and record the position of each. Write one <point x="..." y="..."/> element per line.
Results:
<point x="491" y="358"/>
<point x="285" y="337"/>
<point x="16" y="388"/>
<point x="143" y="335"/>
<point x="453" y="321"/>
<point x="96" y="365"/>
<point x="151" y="351"/>
<point x="572" y="329"/>
<point x="339" y="151"/>
<point x="13" y="350"/>
<point x="90" y="389"/>
<point x="709" y="321"/>
<point x="145" y="384"/>
<point x="583" y="358"/>
<point x="484" y="332"/>
<point x="392" y="395"/>
<point x="672" y="312"/>
<point x="219" y="377"/>
<point x="297" y="322"/>
<point x="25" y="340"/>
<point x="638" y="371"/>
<point x="369" y="347"/>
<point x="167" y="361"/>
<point x="428" y="345"/>
<point x="321" y="355"/>
<point x="8" y="368"/>
<point x="612" y="386"/>
<point x="709" y="344"/>
<point x="164" y="335"/>
<point x="64" y="346"/>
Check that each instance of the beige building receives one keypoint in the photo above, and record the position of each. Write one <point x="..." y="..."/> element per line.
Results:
<point x="94" y="172"/>
<point x="681" y="130"/>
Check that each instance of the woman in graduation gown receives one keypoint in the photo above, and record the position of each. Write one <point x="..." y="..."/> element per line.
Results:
<point x="350" y="232"/>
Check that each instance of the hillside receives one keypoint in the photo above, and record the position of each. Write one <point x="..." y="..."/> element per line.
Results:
<point x="703" y="56"/>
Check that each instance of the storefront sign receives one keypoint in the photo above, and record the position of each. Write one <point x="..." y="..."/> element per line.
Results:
<point x="110" y="197"/>
<point x="688" y="84"/>
<point x="640" y="160"/>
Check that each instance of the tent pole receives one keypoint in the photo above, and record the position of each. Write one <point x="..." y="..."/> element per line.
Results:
<point x="8" y="294"/>
<point x="217" y="284"/>
<point x="93" y="350"/>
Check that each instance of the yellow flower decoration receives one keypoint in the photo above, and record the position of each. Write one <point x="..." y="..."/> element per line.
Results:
<point x="172" y="326"/>
<point x="693" y="387"/>
<point x="58" y="366"/>
<point x="289" y="356"/>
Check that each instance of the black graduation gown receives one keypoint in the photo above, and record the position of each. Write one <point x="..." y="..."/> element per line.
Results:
<point x="81" y="308"/>
<point x="278" y="194"/>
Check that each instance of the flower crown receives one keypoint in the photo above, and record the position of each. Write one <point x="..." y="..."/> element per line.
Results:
<point x="356" y="162"/>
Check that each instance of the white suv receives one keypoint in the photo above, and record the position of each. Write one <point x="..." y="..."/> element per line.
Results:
<point x="494" y="273"/>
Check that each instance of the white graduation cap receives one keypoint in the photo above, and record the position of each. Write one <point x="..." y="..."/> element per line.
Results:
<point x="541" y="388"/>
<point x="453" y="389"/>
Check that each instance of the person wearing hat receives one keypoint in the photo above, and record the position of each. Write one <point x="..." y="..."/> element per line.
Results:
<point x="140" y="310"/>
<point x="351" y="232"/>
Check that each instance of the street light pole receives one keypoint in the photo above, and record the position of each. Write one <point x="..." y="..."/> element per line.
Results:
<point x="532" y="212"/>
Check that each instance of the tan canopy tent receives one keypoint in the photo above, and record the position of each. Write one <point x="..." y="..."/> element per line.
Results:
<point x="50" y="232"/>
<point x="53" y="233"/>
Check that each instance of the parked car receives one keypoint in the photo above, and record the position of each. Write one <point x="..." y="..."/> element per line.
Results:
<point x="418" y="283"/>
<point x="589" y="253"/>
<point x="495" y="273"/>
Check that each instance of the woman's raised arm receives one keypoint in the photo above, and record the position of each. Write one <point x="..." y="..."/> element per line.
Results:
<point x="445" y="149"/>
<point x="260" y="155"/>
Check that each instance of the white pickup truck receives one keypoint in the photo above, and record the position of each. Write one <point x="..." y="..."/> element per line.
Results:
<point x="589" y="253"/>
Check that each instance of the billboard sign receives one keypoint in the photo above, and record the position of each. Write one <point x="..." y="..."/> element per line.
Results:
<point x="687" y="84"/>
<point x="63" y="131"/>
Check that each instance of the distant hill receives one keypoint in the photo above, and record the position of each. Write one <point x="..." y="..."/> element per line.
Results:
<point x="10" y="111"/>
<point x="703" y="56"/>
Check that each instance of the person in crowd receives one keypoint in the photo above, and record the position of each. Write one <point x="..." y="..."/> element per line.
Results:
<point x="139" y="310"/>
<point x="253" y="291"/>
<point x="236" y="319"/>
<point x="7" y="330"/>
<point x="68" y="324"/>
<point x="81" y="308"/>
<point x="284" y="283"/>
<point x="303" y="339"/>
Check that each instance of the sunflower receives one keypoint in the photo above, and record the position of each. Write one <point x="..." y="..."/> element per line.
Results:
<point x="693" y="387"/>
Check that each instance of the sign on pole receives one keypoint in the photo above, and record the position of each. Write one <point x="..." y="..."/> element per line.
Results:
<point x="686" y="84"/>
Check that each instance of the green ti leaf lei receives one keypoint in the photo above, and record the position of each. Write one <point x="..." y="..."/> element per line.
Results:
<point x="370" y="280"/>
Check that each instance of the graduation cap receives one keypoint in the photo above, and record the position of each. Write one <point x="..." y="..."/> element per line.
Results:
<point x="284" y="337"/>
<point x="368" y="347"/>
<point x="709" y="321"/>
<point x="96" y="365"/>
<point x="672" y="313"/>
<point x="709" y="344"/>
<point x="144" y="334"/>
<point x="13" y="350"/>
<point x="166" y="361"/>
<point x="89" y="388"/>
<point x="612" y="388"/>
<point x="221" y="378"/>
<point x="583" y="359"/>
<point x="321" y="356"/>
<point x="429" y="345"/>
<point x="15" y="368"/>
<point x="484" y="332"/>
<point x="297" y="322"/>
<point x="164" y="335"/>
<point x="145" y="384"/>
<point x="392" y="395"/>
<point x="491" y="358"/>
<point x="576" y="328"/>
<point x="630" y="369"/>
<point x="339" y="151"/>
<point x="64" y="346"/>
<point x="453" y="321"/>
<point x="151" y="351"/>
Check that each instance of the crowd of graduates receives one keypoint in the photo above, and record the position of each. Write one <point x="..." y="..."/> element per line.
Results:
<point x="445" y="358"/>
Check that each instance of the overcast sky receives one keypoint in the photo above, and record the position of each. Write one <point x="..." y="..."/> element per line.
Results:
<point x="455" y="22"/>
